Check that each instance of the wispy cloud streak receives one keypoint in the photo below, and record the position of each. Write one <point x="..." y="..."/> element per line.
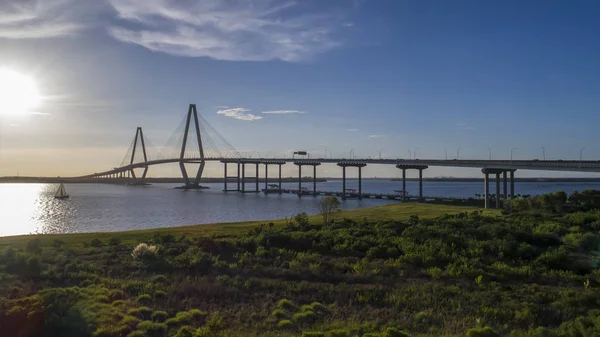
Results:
<point x="284" y="112"/>
<point x="34" y="19"/>
<point x="257" y="30"/>
<point x="239" y="113"/>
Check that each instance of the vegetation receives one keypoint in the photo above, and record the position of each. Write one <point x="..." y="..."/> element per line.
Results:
<point x="529" y="272"/>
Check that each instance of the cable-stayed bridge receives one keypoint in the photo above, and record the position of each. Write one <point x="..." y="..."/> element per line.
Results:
<point x="195" y="141"/>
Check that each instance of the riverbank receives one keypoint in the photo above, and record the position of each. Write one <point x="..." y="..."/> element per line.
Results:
<point x="394" y="270"/>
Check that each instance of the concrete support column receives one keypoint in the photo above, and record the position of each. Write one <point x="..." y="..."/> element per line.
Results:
<point x="420" y="184"/>
<point x="300" y="180"/>
<point x="343" y="182"/>
<point x="238" y="176"/>
<point x="225" y="177"/>
<point x="403" y="184"/>
<point x="266" y="178"/>
<point x="257" y="171"/>
<point x="243" y="177"/>
<point x="512" y="184"/>
<point x="505" y="189"/>
<point x="279" y="178"/>
<point x="486" y="189"/>
<point x="359" y="182"/>
<point x="497" y="190"/>
<point x="315" y="180"/>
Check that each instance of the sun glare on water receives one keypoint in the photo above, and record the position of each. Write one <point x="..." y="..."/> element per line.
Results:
<point x="19" y="94"/>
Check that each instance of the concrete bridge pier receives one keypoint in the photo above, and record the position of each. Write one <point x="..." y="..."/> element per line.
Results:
<point x="314" y="164"/>
<point x="243" y="182"/>
<point x="504" y="195"/>
<point x="358" y="165"/>
<point x="405" y="167"/>
<point x="226" y="176"/>
<point x="272" y="162"/>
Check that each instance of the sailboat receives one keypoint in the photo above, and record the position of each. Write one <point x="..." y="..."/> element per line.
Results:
<point x="61" y="193"/>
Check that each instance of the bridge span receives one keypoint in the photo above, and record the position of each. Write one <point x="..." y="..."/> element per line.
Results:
<point x="219" y="150"/>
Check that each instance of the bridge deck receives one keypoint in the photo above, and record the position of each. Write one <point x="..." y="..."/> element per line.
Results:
<point x="550" y="165"/>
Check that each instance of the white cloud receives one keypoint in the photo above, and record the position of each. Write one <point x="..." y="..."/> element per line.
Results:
<point x="221" y="107"/>
<point x="33" y="19"/>
<point x="377" y="136"/>
<point x="239" y="113"/>
<point x="284" y="112"/>
<point x="353" y="130"/>
<point x="256" y="30"/>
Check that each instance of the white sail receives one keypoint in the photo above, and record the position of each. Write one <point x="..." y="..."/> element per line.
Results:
<point x="61" y="192"/>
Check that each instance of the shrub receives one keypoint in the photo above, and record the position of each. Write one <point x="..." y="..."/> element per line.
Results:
<point x="153" y="329"/>
<point x="159" y="316"/>
<point x="137" y="334"/>
<point x="319" y="308"/>
<point x="482" y="332"/>
<point x="160" y="295"/>
<point x="130" y="321"/>
<point x="185" y="331"/>
<point x="305" y="317"/>
<point x="371" y="334"/>
<point x="198" y="316"/>
<point x="279" y="314"/>
<point x="285" y="324"/>
<point x="142" y="313"/>
<point x="114" y="241"/>
<point x="96" y="243"/>
<point x="144" y="251"/>
<point x="338" y="333"/>
<point x="301" y="219"/>
<point x="287" y="305"/>
<point x="393" y="332"/>
<point x="435" y="272"/>
<point x="159" y="279"/>
<point x="144" y="299"/>
<point x="313" y="334"/>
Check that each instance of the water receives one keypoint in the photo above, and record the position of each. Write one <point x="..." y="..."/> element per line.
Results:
<point x="31" y="208"/>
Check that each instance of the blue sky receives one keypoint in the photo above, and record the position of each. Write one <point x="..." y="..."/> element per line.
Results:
<point x="386" y="75"/>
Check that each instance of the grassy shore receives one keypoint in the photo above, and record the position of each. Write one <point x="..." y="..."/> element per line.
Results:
<point x="388" y="271"/>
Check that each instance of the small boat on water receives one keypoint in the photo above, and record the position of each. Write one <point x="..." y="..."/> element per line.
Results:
<point x="61" y="193"/>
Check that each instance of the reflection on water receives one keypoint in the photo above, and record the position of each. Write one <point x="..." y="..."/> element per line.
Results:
<point x="31" y="208"/>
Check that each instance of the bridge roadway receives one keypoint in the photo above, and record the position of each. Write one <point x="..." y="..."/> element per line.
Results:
<point x="541" y="165"/>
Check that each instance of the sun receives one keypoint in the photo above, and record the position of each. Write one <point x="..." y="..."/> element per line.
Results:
<point x="19" y="94"/>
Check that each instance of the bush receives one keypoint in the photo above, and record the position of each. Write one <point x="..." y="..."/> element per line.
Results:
<point x="393" y="332"/>
<point x="137" y="334"/>
<point x="114" y="241"/>
<point x="96" y="243"/>
<point x="287" y="305"/>
<point x="371" y="334"/>
<point x="144" y="251"/>
<point x="279" y="314"/>
<point x="153" y="329"/>
<point x="483" y="332"/>
<point x="144" y="313"/>
<point x="301" y="219"/>
<point x="305" y="317"/>
<point x="285" y="324"/>
<point x="313" y="334"/>
<point x="338" y="333"/>
<point x="144" y="299"/>
<point x="159" y="316"/>
<point x="160" y="295"/>
<point x="185" y="331"/>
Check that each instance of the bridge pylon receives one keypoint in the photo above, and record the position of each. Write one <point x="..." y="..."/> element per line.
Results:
<point x="139" y="135"/>
<point x="192" y="112"/>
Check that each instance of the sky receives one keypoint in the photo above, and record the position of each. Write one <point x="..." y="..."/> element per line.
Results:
<point x="389" y="77"/>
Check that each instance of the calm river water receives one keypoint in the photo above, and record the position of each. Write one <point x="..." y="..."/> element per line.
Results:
<point x="31" y="208"/>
